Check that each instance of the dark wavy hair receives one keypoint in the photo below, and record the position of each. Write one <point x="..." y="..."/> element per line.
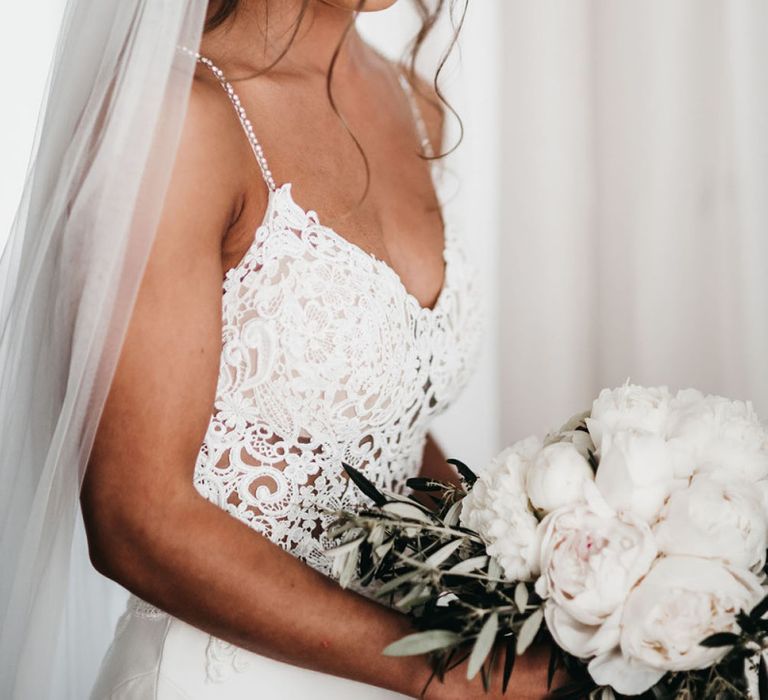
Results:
<point x="429" y="13"/>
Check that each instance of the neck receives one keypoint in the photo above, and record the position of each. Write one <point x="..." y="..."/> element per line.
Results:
<point x="302" y="37"/>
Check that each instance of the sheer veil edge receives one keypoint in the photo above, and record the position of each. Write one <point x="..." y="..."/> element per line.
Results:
<point x="105" y="144"/>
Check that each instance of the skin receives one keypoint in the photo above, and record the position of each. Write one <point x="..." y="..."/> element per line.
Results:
<point x="147" y="526"/>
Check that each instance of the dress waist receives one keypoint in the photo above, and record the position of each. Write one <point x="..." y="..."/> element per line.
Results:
<point x="142" y="608"/>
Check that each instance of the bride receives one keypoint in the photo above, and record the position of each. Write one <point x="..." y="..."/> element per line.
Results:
<point x="302" y="306"/>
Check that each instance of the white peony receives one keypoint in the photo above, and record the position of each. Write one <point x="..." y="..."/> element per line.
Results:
<point x="715" y="520"/>
<point x="497" y="509"/>
<point x="556" y="477"/>
<point x="761" y="491"/>
<point x="679" y="603"/>
<point x="581" y="440"/>
<point x="584" y="641"/>
<point x="720" y="436"/>
<point x="636" y="473"/>
<point x="629" y="408"/>
<point x="577" y="420"/>
<point x="574" y="431"/>
<point x="589" y="563"/>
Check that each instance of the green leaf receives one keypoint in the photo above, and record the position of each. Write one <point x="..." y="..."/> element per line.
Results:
<point x="485" y="671"/>
<point x="339" y="528"/>
<point x="720" y="639"/>
<point x="438" y="557"/>
<point x="451" y="518"/>
<point x="348" y="572"/>
<point x="760" y="609"/>
<point x="344" y="548"/>
<point x="494" y="572"/>
<point x="762" y="679"/>
<point x="529" y="629"/>
<point x="509" y="662"/>
<point x="467" y="566"/>
<point x="469" y="476"/>
<point x="406" y="510"/>
<point x="483" y="645"/>
<point x="421" y="484"/>
<point x="746" y="622"/>
<point x="521" y="596"/>
<point x="376" y="535"/>
<point x="422" y="643"/>
<point x="365" y="485"/>
<point x="403" y="498"/>
<point x="395" y="583"/>
<point x="663" y="692"/>
<point x="554" y="657"/>
<point x="409" y="599"/>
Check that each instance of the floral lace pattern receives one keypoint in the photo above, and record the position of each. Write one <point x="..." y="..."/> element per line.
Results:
<point x="222" y="659"/>
<point x="326" y="359"/>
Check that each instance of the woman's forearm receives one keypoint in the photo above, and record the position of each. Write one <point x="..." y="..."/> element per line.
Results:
<point x="192" y="559"/>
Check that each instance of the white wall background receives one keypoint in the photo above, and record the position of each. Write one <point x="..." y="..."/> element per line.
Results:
<point x="614" y="181"/>
<point x="635" y="217"/>
<point x="27" y="36"/>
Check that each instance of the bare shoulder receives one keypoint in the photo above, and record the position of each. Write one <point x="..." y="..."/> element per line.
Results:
<point x="213" y="159"/>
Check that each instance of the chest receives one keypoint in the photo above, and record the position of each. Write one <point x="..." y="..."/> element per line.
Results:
<point x="353" y="174"/>
<point x="324" y="338"/>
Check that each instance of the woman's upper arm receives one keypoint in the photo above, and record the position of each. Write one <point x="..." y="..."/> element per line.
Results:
<point x="161" y="396"/>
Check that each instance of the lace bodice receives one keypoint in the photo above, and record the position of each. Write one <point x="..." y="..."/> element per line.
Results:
<point x="326" y="358"/>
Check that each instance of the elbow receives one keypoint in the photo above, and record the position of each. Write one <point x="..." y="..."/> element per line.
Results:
<point x="112" y="545"/>
<point x="98" y="554"/>
<point x="127" y="534"/>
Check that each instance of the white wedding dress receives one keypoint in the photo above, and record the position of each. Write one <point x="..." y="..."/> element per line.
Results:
<point x="326" y="358"/>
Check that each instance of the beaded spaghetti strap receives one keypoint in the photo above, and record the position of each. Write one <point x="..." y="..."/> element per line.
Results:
<point x="243" y="117"/>
<point x="421" y="127"/>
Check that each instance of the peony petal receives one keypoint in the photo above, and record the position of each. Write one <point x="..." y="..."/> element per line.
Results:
<point x="596" y="501"/>
<point x="595" y="429"/>
<point x="635" y="474"/>
<point x="542" y="587"/>
<point x="625" y="676"/>
<point x="577" y="638"/>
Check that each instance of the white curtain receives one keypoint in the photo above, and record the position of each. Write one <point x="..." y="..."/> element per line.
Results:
<point x="635" y="201"/>
<point x="614" y="188"/>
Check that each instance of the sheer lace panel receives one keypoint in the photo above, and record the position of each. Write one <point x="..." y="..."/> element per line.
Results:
<point x="326" y="358"/>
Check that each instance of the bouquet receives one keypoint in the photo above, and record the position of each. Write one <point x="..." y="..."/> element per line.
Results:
<point x="633" y="540"/>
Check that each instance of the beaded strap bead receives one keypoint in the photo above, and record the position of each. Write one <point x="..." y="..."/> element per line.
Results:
<point x="421" y="127"/>
<point x="242" y="116"/>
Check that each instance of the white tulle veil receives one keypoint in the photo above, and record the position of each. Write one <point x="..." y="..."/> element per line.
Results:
<point x="106" y="140"/>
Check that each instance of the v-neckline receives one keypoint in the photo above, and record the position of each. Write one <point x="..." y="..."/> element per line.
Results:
<point x="285" y="190"/>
